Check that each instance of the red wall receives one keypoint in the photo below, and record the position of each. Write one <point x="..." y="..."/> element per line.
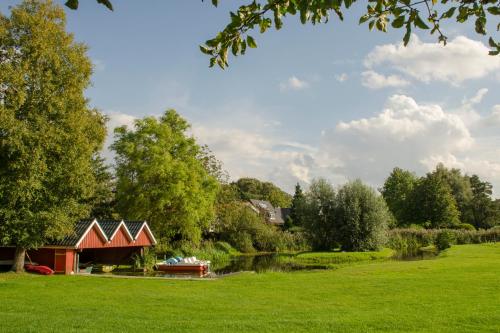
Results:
<point x="120" y="239"/>
<point x="94" y="240"/>
<point x="143" y="239"/>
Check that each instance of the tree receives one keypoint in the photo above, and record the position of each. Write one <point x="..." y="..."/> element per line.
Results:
<point x="485" y="213"/>
<point x="251" y="188"/>
<point x="460" y="186"/>
<point x="297" y="211"/>
<point x="48" y="133"/>
<point x="161" y="179"/>
<point x="319" y="220"/>
<point x="432" y="203"/>
<point x="397" y="191"/>
<point x="103" y="201"/>
<point x="361" y="218"/>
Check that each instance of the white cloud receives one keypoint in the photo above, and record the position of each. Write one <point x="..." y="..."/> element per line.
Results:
<point x="405" y="133"/>
<point x="115" y="119"/>
<point x="341" y="77"/>
<point x="293" y="83"/>
<point x="460" y="60"/>
<point x="374" y="80"/>
<point x="414" y="136"/>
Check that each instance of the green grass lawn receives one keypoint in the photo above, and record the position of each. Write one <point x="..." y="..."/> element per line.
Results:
<point x="457" y="292"/>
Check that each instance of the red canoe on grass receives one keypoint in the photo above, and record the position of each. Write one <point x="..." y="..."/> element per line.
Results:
<point x="44" y="270"/>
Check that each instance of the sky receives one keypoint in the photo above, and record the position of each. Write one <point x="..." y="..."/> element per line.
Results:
<point x="332" y="100"/>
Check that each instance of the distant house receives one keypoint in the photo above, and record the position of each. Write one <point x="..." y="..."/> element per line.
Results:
<point x="273" y="215"/>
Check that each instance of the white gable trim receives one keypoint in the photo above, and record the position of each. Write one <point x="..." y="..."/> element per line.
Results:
<point x="145" y="226"/>
<point x="126" y="231"/>
<point x="94" y="223"/>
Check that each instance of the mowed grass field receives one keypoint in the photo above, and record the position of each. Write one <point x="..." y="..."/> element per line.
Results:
<point x="457" y="292"/>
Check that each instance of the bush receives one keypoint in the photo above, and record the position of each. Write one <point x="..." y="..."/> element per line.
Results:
<point x="361" y="218"/>
<point x="241" y="227"/>
<point x="445" y="239"/>
<point x="409" y="239"/>
<point x="465" y="226"/>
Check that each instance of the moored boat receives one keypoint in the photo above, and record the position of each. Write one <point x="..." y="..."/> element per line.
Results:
<point x="44" y="270"/>
<point x="184" y="265"/>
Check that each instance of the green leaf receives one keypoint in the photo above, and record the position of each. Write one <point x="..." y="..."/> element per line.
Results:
<point x="106" y="3"/>
<point x="251" y="42"/>
<point x="205" y="49"/>
<point x="399" y="22"/>
<point x="215" y="2"/>
<point x="449" y="13"/>
<point x="494" y="53"/>
<point x="492" y="42"/>
<point x="406" y="38"/>
<point x="348" y="3"/>
<point x="371" y="24"/>
<point x="364" y="18"/>
<point x="480" y="25"/>
<point x="419" y="23"/>
<point x="493" y="10"/>
<point x="72" y="4"/>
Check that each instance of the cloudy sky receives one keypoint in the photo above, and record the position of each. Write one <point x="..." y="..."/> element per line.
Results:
<point x="333" y="101"/>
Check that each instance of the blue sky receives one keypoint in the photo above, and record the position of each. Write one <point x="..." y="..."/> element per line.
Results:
<point x="333" y="100"/>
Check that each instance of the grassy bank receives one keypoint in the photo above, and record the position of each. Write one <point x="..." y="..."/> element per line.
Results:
<point x="457" y="292"/>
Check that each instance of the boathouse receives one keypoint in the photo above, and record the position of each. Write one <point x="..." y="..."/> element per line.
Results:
<point x="103" y="242"/>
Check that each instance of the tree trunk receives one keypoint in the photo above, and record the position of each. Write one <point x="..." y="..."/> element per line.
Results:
<point x="18" y="266"/>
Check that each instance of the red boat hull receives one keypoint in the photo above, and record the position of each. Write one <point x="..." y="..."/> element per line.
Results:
<point x="182" y="268"/>
<point x="43" y="270"/>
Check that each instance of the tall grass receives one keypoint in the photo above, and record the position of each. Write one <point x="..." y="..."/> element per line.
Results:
<point x="409" y="242"/>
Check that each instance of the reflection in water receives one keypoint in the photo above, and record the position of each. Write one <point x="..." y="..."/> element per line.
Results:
<point x="262" y="263"/>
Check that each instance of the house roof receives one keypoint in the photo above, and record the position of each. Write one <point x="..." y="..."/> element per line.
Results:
<point x="107" y="229"/>
<point x="79" y="230"/>
<point x="274" y="215"/>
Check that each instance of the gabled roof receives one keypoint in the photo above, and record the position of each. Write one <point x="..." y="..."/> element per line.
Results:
<point x="71" y="240"/>
<point x="273" y="215"/>
<point x="134" y="227"/>
<point x="107" y="230"/>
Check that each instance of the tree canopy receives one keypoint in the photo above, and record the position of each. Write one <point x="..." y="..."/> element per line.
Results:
<point x="161" y="178"/>
<point x="48" y="133"/>
<point x="251" y="188"/>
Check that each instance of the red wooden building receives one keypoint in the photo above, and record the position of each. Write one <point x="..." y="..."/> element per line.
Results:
<point x="103" y="242"/>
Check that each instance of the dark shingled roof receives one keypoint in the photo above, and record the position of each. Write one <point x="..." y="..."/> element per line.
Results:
<point x="134" y="227"/>
<point x="108" y="226"/>
<point x="71" y="240"/>
<point x="273" y="215"/>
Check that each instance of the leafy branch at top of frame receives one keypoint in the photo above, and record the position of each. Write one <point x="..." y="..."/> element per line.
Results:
<point x="420" y="14"/>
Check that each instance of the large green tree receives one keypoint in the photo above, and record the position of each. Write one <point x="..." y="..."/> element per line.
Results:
<point x="460" y="186"/>
<point x="297" y="211"/>
<point x="319" y="221"/>
<point x="161" y="178"/>
<point x="484" y="212"/>
<point x="397" y="191"/>
<point x="103" y="201"/>
<point x="361" y="218"/>
<point x="48" y="133"/>
<point x="432" y="203"/>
